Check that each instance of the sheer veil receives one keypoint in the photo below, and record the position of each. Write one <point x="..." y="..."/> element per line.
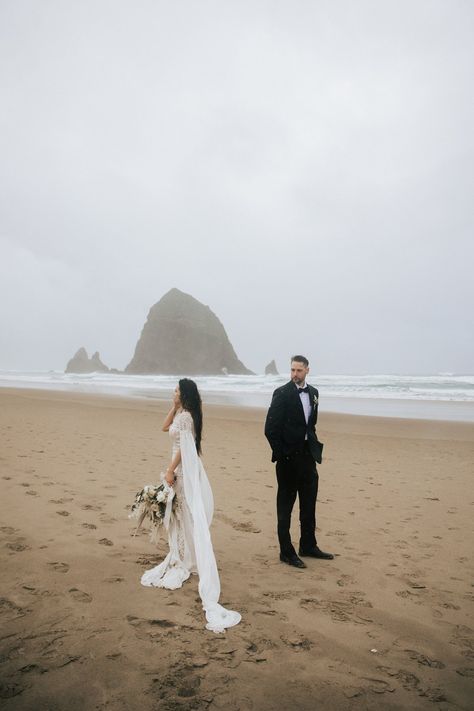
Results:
<point x="200" y="501"/>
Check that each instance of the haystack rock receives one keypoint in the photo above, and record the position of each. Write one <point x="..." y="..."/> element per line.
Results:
<point x="271" y="369"/>
<point x="81" y="363"/>
<point x="183" y="337"/>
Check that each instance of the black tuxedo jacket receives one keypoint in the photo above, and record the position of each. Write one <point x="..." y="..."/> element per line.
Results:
<point x="285" y="426"/>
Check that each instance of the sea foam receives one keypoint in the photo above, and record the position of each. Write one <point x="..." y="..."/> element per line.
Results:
<point x="340" y="393"/>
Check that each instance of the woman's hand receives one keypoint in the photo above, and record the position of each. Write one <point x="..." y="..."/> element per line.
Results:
<point x="169" y="476"/>
<point x="170" y="416"/>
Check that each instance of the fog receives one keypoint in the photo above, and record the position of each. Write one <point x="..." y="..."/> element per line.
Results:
<point x="304" y="168"/>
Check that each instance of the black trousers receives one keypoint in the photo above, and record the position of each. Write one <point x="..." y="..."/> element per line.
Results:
<point x="297" y="474"/>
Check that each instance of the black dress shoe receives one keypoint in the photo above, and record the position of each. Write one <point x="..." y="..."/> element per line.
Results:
<point x="292" y="560"/>
<point x="316" y="553"/>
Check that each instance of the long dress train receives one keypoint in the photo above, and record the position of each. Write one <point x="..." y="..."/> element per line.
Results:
<point x="190" y="545"/>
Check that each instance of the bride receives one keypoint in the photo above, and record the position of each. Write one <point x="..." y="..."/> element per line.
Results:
<point x="190" y="545"/>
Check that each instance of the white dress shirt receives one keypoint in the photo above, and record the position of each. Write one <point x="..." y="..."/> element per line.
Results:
<point x="304" y="397"/>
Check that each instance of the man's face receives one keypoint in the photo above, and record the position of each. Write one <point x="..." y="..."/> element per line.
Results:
<point x="298" y="372"/>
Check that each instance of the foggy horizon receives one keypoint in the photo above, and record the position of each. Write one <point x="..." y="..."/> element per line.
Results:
<point x="304" y="170"/>
<point x="282" y="368"/>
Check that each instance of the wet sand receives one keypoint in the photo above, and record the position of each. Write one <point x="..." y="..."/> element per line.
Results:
<point x="388" y="623"/>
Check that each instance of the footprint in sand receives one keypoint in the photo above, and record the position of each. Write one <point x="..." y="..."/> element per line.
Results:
<point x="39" y="593"/>
<point x="358" y="598"/>
<point x="408" y="595"/>
<point x="185" y="686"/>
<point x="88" y="525"/>
<point x="91" y="507"/>
<point x="141" y="622"/>
<point x="8" y="691"/>
<point x="188" y="687"/>
<point x="106" y="542"/>
<point x="31" y="492"/>
<point x="450" y="606"/>
<point x="463" y="637"/>
<point x="59" y="567"/>
<point x="340" y="610"/>
<point x="262" y="559"/>
<point x="297" y="643"/>
<point x="408" y="680"/>
<point x="282" y="595"/>
<point x="114" y="579"/>
<point x="345" y="580"/>
<point x="79" y="595"/>
<point x="18" y="547"/>
<point x="8" y="529"/>
<point x="147" y="559"/>
<point x="377" y="686"/>
<point x="32" y="669"/>
<point x="271" y="613"/>
<point x="11" y="610"/>
<point x="424" y="660"/>
<point x="63" y="513"/>
<point x="466" y="671"/>
<point x="151" y="629"/>
<point x="245" y="526"/>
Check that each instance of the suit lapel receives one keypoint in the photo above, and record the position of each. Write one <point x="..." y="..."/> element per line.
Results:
<point x="312" y="395"/>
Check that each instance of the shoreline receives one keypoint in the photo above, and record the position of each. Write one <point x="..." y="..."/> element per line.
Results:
<point x="331" y="423"/>
<point x="386" y="408"/>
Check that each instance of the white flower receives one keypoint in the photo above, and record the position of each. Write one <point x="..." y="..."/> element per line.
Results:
<point x="161" y="496"/>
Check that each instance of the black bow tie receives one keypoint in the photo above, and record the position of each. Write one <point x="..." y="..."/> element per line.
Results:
<point x="303" y="390"/>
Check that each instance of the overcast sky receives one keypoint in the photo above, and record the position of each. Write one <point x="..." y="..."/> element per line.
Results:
<point x="305" y="168"/>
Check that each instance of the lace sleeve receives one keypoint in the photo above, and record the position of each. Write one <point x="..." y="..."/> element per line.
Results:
<point x="184" y="422"/>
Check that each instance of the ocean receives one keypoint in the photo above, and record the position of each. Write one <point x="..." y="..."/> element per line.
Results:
<point x="443" y="396"/>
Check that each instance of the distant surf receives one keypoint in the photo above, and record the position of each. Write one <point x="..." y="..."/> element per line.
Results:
<point x="440" y="396"/>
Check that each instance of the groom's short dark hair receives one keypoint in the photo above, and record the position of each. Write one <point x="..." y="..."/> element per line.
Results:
<point x="300" y="359"/>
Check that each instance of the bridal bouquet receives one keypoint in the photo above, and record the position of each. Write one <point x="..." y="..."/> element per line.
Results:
<point x="157" y="503"/>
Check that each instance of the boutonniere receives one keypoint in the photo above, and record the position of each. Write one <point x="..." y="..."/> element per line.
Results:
<point x="315" y="400"/>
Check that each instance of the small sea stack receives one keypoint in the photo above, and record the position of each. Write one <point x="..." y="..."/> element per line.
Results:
<point x="271" y="369"/>
<point x="81" y="363"/>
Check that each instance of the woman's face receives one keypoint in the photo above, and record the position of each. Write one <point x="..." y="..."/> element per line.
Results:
<point x="177" y="396"/>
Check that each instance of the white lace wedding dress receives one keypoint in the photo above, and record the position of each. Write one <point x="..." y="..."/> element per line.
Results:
<point x="190" y="545"/>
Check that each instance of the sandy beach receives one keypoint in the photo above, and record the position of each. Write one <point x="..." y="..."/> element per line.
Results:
<point x="388" y="623"/>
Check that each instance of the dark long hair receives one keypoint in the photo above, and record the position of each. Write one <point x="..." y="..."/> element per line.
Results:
<point x="191" y="401"/>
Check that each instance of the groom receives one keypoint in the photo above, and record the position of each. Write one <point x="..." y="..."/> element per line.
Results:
<point x="290" y="428"/>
